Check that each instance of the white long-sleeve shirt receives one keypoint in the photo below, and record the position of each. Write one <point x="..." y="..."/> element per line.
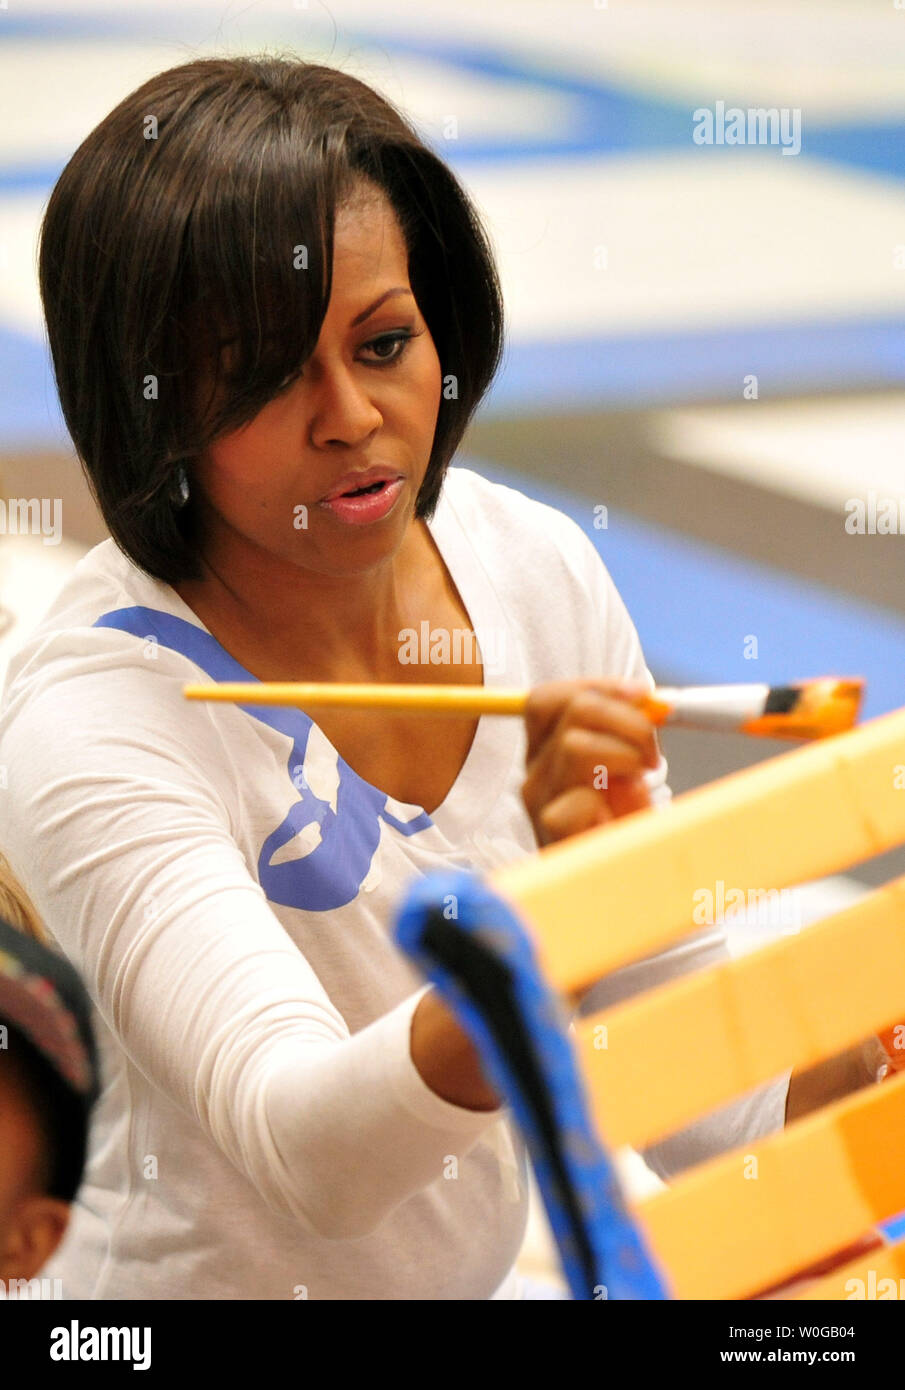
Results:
<point x="226" y="885"/>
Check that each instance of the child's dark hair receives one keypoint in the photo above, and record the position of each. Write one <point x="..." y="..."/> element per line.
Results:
<point x="56" y="1110"/>
<point x="187" y="216"/>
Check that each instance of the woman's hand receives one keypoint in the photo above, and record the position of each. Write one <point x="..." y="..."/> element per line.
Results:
<point x="588" y="748"/>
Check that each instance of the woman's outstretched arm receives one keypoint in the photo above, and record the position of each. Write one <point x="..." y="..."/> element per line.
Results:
<point x="126" y="847"/>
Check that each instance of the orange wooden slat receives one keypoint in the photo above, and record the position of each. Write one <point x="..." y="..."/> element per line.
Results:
<point x="748" y="1219"/>
<point x="621" y="891"/>
<point x="654" y="1063"/>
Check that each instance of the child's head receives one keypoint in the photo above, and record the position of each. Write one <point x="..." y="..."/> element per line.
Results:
<point x="185" y="267"/>
<point x="48" y="1083"/>
<point x="32" y="1217"/>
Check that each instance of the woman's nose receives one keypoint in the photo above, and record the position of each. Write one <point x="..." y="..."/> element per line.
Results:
<point x="343" y="412"/>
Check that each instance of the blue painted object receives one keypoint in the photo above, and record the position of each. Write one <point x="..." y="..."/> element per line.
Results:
<point x="894" y="1229"/>
<point x="471" y="945"/>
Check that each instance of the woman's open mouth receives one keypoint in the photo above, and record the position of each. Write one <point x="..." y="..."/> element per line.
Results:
<point x="367" y="503"/>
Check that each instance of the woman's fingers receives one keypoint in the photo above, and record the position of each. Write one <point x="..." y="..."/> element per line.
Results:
<point x="588" y="747"/>
<point x="569" y="814"/>
<point x="628" y="795"/>
<point x="599" y="704"/>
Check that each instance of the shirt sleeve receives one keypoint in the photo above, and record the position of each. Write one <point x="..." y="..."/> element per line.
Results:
<point x="612" y="644"/>
<point x="125" y="843"/>
<point x="761" y="1111"/>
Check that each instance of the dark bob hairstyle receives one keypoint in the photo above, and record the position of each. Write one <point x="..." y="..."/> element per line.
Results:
<point x="176" y="226"/>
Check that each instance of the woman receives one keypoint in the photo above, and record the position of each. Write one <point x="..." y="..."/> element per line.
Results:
<point x="264" y="294"/>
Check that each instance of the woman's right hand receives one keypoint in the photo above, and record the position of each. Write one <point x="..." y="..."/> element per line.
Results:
<point x="588" y="748"/>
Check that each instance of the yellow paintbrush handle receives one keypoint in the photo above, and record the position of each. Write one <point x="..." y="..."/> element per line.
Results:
<point x="825" y="706"/>
<point x="435" y="699"/>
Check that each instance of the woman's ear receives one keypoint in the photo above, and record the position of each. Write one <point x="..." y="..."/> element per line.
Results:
<point x="31" y="1233"/>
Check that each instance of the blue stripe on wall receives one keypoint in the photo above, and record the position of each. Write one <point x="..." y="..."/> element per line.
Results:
<point x="30" y="416"/>
<point x="666" y="368"/>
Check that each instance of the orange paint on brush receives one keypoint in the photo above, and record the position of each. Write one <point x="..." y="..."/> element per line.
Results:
<point x="657" y="711"/>
<point x="825" y="706"/>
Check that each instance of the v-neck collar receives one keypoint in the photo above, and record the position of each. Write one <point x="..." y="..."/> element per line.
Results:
<point x="488" y="763"/>
<point x="489" y="760"/>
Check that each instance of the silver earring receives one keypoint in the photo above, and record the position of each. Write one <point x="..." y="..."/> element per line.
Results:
<point x="181" y="493"/>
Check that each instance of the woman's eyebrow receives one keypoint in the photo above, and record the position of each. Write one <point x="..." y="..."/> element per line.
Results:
<point x="366" y="313"/>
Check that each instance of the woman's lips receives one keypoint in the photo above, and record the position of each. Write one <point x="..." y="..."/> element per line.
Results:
<point x="367" y="506"/>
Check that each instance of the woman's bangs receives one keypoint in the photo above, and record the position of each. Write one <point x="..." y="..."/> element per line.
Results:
<point x="263" y="251"/>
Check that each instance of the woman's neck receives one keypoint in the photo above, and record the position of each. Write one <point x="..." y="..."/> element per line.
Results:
<point x="278" y="620"/>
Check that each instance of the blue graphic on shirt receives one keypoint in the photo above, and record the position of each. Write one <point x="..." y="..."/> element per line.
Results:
<point x="331" y="875"/>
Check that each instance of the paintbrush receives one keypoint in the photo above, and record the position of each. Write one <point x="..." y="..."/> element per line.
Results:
<point x="804" y="710"/>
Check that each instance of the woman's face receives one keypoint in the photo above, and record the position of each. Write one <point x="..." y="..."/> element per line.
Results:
<point x="368" y="397"/>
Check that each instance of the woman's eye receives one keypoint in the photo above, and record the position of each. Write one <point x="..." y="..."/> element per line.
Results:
<point x="390" y="347"/>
